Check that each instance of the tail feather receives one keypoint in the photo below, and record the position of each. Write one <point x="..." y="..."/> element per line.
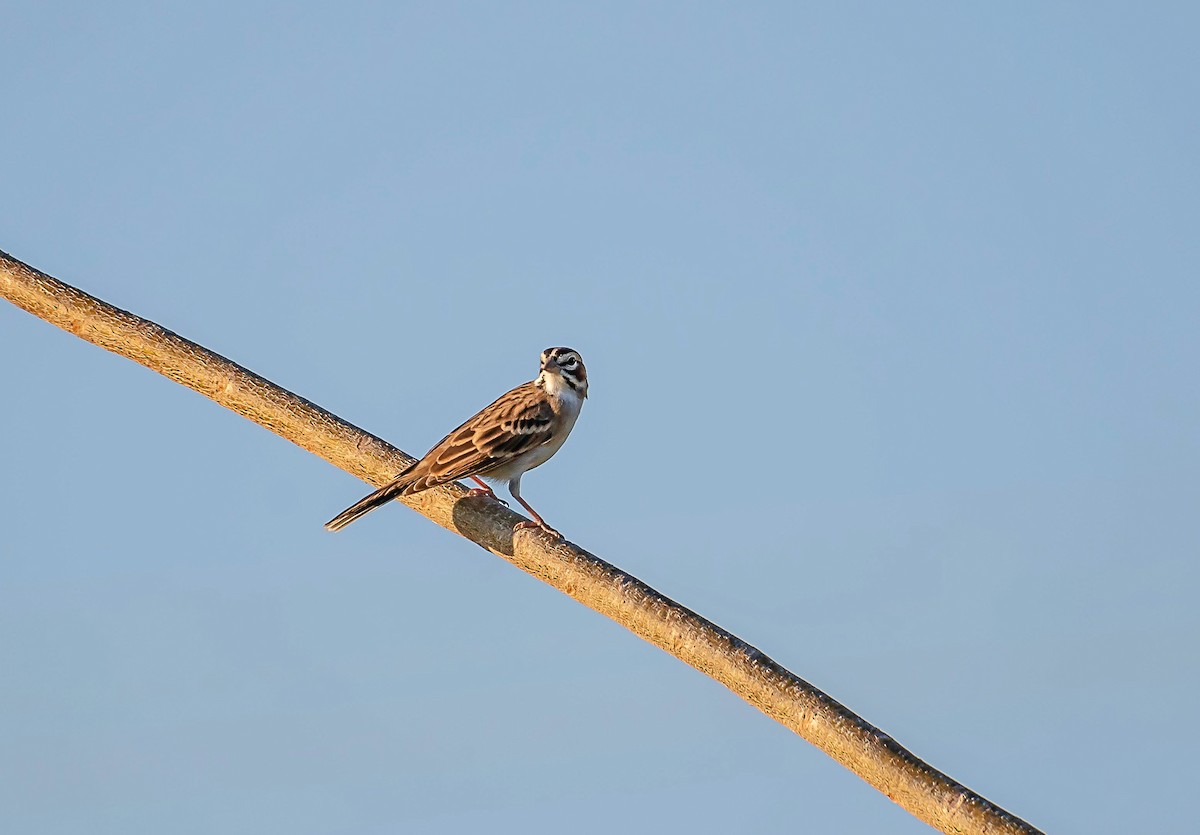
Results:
<point x="380" y="497"/>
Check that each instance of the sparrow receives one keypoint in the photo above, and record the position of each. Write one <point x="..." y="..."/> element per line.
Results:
<point x="519" y="431"/>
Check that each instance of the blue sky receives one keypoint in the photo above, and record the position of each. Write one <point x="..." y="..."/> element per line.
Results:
<point x="890" y="318"/>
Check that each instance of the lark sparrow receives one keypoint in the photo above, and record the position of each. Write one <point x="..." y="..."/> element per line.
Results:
<point x="518" y="432"/>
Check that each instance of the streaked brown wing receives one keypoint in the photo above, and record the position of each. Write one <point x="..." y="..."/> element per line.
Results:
<point x="516" y="423"/>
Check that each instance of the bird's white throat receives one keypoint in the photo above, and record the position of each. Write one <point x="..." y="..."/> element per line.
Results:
<point x="558" y="388"/>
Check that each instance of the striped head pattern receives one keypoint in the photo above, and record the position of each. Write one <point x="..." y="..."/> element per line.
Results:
<point x="563" y="368"/>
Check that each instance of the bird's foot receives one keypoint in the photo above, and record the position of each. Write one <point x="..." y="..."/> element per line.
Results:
<point x="542" y="525"/>
<point x="483" y="491"/>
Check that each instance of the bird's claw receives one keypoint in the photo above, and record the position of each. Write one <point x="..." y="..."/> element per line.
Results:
<point x="479" y="491"/>
<point x="542" y="525"/>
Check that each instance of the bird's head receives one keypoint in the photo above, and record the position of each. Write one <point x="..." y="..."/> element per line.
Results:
<point x="562" y="368"/>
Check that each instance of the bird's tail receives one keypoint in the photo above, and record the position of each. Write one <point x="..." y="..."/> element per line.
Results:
<point x="381" y="496"/>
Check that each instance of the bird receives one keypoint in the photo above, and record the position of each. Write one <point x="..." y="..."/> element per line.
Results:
<point x="521" y="430"/>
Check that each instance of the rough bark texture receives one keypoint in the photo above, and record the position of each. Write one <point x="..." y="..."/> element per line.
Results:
<point x="871" y="754"/>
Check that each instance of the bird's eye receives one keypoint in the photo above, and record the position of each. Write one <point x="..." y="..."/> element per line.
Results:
<point x="569" y="362"/>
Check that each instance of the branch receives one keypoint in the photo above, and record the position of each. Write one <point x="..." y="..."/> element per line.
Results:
<point x="871" y="754"/>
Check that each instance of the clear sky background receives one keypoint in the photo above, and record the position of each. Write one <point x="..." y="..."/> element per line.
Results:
<point x="890" y="312"/>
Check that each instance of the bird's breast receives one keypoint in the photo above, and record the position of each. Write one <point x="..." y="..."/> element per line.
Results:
<point x="566" y="412"/>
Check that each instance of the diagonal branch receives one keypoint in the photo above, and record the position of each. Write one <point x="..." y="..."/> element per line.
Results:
<point x="871" y="754"/>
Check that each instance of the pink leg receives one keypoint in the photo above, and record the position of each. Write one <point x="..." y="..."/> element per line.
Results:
<point x="539" y="521"/>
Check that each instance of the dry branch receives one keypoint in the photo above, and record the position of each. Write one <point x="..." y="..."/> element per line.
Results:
<point x="871" y="754"/>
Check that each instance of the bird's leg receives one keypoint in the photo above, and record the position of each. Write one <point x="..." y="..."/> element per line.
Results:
<point x="484" y="490"/>
<point x="539" y="521"/>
